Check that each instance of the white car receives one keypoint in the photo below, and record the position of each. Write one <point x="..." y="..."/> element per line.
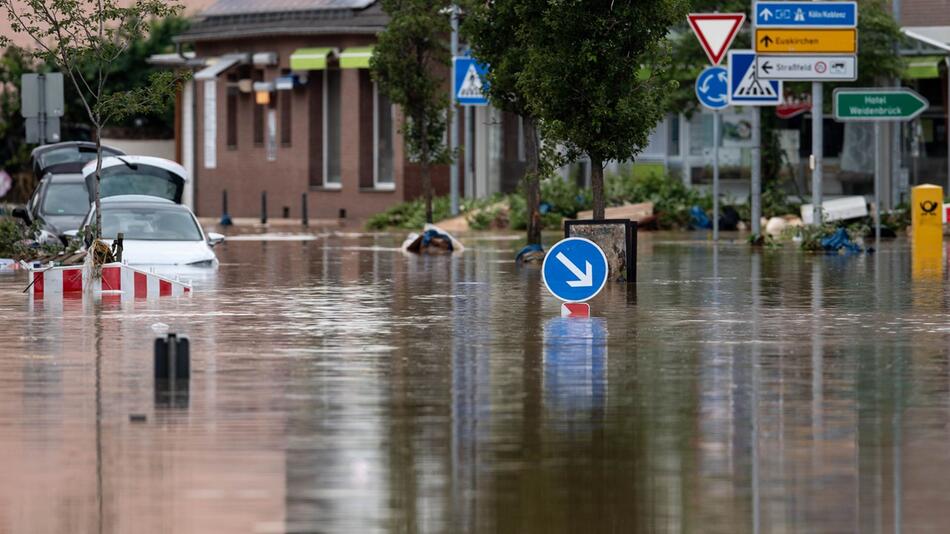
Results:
<point x="156" y="231"/>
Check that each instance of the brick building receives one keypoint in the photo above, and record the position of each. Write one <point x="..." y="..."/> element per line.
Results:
<point x="282" y="101"/>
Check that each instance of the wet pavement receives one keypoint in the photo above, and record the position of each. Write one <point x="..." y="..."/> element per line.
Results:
<point x="340" y="386"/>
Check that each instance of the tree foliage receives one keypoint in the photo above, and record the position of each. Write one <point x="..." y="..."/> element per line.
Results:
<point x="496" y="32"/>
<point x="410" y="63"/>
<point x="594" y="75"/>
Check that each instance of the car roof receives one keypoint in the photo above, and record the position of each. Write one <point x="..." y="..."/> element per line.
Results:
<point x="138" y="199"/>
<point x="152" y="161"/>
<point x="64" y="178"/>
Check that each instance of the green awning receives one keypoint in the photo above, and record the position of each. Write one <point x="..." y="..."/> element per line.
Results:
<point x="356" y="57"/>
<point x="922" y="67"/>
<point x="310" y="59"/>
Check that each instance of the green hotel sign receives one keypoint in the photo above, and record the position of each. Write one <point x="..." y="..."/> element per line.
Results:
<point x="878" y="104"/>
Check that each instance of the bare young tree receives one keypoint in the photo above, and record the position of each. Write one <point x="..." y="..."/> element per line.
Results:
<point x="83" y="39"/>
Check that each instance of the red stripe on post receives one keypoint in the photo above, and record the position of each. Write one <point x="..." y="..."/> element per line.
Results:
<point x="111" y="278"/>
<point x="164" y="288"/>
<point x="575" y="309"/>
<point x="141" y="285"/>
<point x="72" y="280"/>
<point x="38" y="283"/>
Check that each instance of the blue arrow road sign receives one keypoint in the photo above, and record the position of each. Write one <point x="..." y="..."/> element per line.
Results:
<point x="470" y="82"/>
<point x="712" y="87"/>
<point x="575" y="269"/>
<point x="745" y="86"/>
<point x="806" y="14"/>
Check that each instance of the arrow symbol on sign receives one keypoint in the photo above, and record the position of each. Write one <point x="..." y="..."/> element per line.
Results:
<point x="766" y="41"/>
<point x="583" y="279"/>
<point x="765" y="14"/>
<point x="766" y="67"/>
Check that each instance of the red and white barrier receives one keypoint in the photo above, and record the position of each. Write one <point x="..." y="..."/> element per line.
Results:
<point x="117" y="278"/>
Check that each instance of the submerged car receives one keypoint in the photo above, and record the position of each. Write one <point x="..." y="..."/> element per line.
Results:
<point x="58" y="205"/>
<point x="155" y="231"/>
<point x="137" y="175"/>
<point x="66" y="158"/>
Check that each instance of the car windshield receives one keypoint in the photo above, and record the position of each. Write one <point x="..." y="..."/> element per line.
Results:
<point x="143" y="180"/>
<point x="66" y="199"/>
<point x="69" y="154"/>
<point x="149" y="223"/>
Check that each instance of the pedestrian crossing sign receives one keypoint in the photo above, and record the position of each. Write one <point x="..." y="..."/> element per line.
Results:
<point x="470" y="82"/>
<point x="746" y="88"/>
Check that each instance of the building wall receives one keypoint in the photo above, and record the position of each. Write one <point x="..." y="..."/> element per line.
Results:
<point x="244" y="170"/>
<point x="925" y="13"/>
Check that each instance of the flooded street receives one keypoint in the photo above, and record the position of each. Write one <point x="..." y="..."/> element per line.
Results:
<point x="339" y="385"/>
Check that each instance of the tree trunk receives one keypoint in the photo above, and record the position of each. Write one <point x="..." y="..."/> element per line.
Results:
<point x="597" y="186"/>
<point x="98" y="231"/>
<point x="532" y="180"/>
<point x="426" y="178"/>
<point x="427" y="189"/>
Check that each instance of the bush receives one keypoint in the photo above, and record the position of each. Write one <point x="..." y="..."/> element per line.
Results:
<point x="671" y="199"/>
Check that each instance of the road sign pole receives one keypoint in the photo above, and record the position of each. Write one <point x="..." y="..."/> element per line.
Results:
<point x="715" y="175"/>
<point x="454" y="123"/>
<point x="877" y="183"/>
<point x="817" y="139"/>
<point x="756" y="170"/>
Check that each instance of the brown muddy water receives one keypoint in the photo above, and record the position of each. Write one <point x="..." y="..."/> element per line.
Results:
<point x="340" y="386"/>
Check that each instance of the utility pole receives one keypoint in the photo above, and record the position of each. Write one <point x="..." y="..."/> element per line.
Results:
<point x="454" y="122"/>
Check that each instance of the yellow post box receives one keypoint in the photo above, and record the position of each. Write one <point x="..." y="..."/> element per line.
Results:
<point x="926" y="205"/>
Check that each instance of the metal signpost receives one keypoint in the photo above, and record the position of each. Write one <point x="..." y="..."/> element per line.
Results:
<point x="715" y="32"/>
<point x="712" y="90"/>
<point x="804" y="41"/>
<point x="748" y="88"/>
<point x="42" y="104"/>
<point x="878" y="105"/>
<point x="468" y="83"/>
<point x="574" y="270"/>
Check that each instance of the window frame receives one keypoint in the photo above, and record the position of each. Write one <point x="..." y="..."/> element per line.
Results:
<point x="327" y="183"/>
<point x="377" y="184"/>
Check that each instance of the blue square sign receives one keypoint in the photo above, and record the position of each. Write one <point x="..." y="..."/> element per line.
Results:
<point x="470" y="82"/>
<point x="746" y="88"/>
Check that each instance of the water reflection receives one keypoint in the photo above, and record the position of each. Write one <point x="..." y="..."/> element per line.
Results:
<point x="339" y="386"/>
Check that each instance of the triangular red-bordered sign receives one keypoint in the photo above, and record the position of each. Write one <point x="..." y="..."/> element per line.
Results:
<point x="716" y="32"/>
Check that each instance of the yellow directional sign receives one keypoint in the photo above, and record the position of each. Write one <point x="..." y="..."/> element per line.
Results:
<point x="813" y="41"/>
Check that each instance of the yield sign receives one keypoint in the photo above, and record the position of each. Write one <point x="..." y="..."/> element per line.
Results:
<point x="716" y="32"/>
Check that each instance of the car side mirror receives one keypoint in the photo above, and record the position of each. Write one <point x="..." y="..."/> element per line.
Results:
<point x="21" y="213"/>
<point x="215" y="239"/>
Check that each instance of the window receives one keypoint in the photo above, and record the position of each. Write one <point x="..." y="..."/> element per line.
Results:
<point x="66" y="199"/>
<point x="149" y="223"/>
<point x="383" y="147"/>
<point x="331" y="128"/>
<point x="231" y="110"/>
<point x="286" y="123"/>
<point x="258" y="115"/>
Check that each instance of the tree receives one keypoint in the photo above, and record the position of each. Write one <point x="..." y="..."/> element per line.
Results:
<point x="409" y="64"/>
<point x="83" y="39"/>
<point x="495" y="31"/>
<point x="593" y="74"/>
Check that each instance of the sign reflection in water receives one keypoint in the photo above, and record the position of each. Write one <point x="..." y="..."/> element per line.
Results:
<point x="575" y="368"/>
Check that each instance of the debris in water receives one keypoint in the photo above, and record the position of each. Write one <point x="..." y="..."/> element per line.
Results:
<point x="433" y="240"/>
